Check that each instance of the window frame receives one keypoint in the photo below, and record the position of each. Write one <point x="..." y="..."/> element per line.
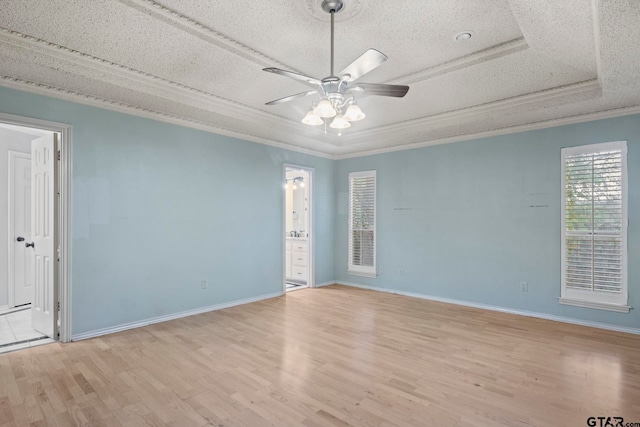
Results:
<point x="357" y="270"/>
<point x="590" y="298"/>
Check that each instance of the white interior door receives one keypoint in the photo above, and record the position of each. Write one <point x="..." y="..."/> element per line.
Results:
<point x="43" y="235"/>
<point x="20" y="258"/>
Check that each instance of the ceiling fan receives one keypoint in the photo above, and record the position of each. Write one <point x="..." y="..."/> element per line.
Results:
<point x="337" y="92"/>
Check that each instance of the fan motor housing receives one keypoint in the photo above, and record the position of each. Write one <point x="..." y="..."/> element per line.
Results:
<point x="334" y="85"/>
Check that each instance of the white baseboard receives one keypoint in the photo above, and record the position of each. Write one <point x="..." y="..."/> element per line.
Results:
<point x="151" y="321"/>
<point x="500" y="309"/>
<point x="329" y="283"/>
<point x="3" y="308"/>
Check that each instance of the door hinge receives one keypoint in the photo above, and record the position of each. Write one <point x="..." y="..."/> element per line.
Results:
<point x="58" y="305"/>
<point x="58" y="154"/>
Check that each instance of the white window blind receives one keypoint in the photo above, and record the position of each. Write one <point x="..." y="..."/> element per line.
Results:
<point x="594" y="224"/>
<point x="362" y="223"/>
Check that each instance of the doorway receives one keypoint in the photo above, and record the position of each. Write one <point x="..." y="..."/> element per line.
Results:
<point x="298" y="227"/>
<point x="34" y="305"/>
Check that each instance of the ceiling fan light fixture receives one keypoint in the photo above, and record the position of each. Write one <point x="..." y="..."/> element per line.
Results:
<point x="336" y="90"/>
<point x="340" y="122"/>
<point x="354" y="113"/>
<point x="312" y="119"/>
<point x="324" y="109"/>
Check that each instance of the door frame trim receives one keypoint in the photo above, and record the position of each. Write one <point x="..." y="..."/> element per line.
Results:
<point x="12" y="155"/>
<point x="63" y="214"/>
<point x="312" y="227"/>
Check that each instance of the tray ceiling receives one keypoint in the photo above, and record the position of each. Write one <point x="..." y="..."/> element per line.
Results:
<point x="527" y="65"/>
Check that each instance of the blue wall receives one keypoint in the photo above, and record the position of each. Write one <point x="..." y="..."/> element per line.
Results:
<point x="159" y="207"/>
<point x="471" y="220"/>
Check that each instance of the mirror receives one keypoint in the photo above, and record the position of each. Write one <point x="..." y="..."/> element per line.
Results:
<point x="296" y="203"/>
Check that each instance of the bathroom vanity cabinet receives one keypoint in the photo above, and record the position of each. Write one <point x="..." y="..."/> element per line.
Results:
<point x="297" y="262"/>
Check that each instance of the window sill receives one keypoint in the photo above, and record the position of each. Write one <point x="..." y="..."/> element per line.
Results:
<point x="597" y="305"/>
<point x="362" y="274"/>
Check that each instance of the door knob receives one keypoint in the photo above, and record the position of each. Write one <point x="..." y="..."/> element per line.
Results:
<point x="20" y="239"/>
<point x="30" y="245"/>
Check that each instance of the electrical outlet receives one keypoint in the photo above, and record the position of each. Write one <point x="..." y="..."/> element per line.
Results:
<point x="381" y="269"/>
<point x="524" y="287"/>
<point x="203" y="284"/>
<point x="401" y="271"/>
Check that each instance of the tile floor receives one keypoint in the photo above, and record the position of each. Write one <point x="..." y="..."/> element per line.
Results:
<point x="294" y="286"/>
<point x="16" y="327"/>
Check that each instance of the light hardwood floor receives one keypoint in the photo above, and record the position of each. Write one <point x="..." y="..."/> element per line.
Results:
<point x="330" y="356"/>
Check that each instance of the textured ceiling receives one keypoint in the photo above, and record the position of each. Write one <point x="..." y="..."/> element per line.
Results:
<point x="199" y="63"/>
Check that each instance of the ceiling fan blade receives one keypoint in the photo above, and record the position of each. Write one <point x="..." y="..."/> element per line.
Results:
<point x="368" y="61"/>
<point x="291" y="97"/>
<point x="397" y="91"/>
<point x="296" y="76"/>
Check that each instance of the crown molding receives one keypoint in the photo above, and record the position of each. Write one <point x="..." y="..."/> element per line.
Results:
<point x="199" y="29"/>
<point x="204" y="32"/>
<point x="140" y="81"/>
<point x="442" y="119"/>
<point x="51" y="54"/>
<point x="109" y="104"/>
<point x="493" y="52"/>
<point x="543" y="124"/>
<point x="68" y="95"/>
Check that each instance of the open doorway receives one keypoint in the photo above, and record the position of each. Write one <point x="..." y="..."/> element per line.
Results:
<point x="298" y="227"/>
<point x="30" y="208"/>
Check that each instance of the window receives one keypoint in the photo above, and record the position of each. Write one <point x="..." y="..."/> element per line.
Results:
<point x="362" y="224"/>
<point x="594" y="222"/>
